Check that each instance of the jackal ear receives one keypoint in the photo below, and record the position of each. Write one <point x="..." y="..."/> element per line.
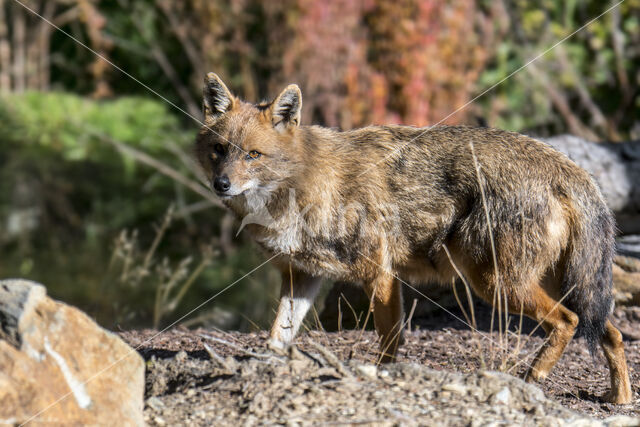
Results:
<point x="217" y="98"/>
<point x="285" y="110"/>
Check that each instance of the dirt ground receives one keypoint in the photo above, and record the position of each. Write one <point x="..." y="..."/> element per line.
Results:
<point x="180" y="367"/>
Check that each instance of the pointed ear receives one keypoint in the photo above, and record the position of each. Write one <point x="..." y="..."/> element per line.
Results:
<point x="217" y="98"/>
<point x="285" y="110"/>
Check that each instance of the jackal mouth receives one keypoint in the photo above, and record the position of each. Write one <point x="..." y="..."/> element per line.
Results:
<point x="226" y="196"/>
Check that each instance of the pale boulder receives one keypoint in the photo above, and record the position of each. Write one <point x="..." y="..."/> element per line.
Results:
<point x="58" y="367"/>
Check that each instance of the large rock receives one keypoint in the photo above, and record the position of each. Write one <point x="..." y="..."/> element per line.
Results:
<point x="616" y="168"/>
<point x="626" y="280"/>
<point x="57" y="367"/>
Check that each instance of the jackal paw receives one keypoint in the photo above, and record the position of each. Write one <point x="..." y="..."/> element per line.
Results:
<point x="276" y="345"/>
<point x="618" y="397"/>
<point x="535" y="376"/>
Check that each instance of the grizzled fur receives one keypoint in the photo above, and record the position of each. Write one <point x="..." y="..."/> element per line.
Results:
<point x="385" y="203"/>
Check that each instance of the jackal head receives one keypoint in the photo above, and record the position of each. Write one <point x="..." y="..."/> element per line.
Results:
<point x="247" y="148"/>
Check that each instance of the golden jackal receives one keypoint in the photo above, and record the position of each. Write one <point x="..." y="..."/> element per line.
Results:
<point x="382" y="204"/>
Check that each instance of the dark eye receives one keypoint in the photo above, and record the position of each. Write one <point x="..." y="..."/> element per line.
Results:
<point x="219" y="149"/>
<point x="252" y="155"/>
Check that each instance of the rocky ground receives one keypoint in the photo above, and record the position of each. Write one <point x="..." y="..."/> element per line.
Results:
<point x="446" y="375"/>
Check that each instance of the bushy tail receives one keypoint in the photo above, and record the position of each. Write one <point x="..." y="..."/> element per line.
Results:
<point x="587" y="281"/>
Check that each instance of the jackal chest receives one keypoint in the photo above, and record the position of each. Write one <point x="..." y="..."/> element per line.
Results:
<point x="318" y="256"/>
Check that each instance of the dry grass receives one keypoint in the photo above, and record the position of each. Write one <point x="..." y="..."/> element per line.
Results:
<point x="134" y="267"/>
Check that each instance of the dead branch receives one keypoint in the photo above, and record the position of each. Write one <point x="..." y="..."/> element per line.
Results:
<point x="562" y="105"/>
<point x="332" y="360"/>
<point x="180" y="31"/>
<point x="161" y="167"/>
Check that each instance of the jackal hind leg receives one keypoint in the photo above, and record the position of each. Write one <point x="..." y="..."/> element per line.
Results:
<point x="613" y="348"/>
<point x="559" y="323"/>
<point x="385" y="293"/>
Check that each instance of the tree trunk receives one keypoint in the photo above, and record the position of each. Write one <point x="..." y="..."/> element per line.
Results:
<point x="44" y="42"/>
<point x="19" y="48"/>
<point x="5" y="51"/>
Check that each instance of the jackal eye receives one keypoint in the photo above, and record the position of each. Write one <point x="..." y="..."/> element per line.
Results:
<point x="253" y="154"/>
<point x="219" y="148"/>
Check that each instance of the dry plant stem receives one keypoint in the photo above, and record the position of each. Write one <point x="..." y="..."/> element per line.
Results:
<point x="403" y="324"/>
<point x="411" y="312"/>
<point x="162" y="295"/>
<point x="498" y="288"/>
<point x="519" y="344"/>
<point x="469" y="301"/>
<point x="163" y="304"/>
<point x="455" y="294"/>
<point x="385" y="351"/>
<point x="318" y="324"/>
<point x="291" y="288"/>
<point x="316" y="319"/>
<point x="160" y="232"/>
<point x="128" y="246"/>
<point x="467" y="288"/>
<point x="253" y="324"/>
<point x="236" y="347"/>
<point x="353" y="311"/>
<point x="369" y="311"/>
<point x="218" y="359"/>
<point x="231" y="336"/>
<point x="339" y="316"/>
<point x="204" y="263"/>
<point x="5" y="51"/>
<point x="484" y="336"/>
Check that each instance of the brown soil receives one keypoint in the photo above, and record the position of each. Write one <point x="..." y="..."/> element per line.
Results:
<point x="180" y="385"/>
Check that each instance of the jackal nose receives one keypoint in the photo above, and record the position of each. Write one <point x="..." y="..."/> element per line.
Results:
<point x="222" y="184"/>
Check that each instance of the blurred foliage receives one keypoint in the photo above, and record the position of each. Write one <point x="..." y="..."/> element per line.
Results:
<point x="376" y="61"/>
<point x="588" y="85"/>
<point x="66" y="195"/>
<point x="70" y="184"/>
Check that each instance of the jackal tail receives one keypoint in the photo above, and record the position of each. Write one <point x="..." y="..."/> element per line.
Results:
<point x="587" y="281"/>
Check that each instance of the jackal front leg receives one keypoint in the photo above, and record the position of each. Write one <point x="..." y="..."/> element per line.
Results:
<point x="297" y="292"/>
<point x="385" y="294"/>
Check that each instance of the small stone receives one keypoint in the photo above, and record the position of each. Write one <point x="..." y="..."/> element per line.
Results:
<point x="155" y="403"/>
<point x="369" y="371"/>
<point x="503" y="396"/>
<point x="621" y="421"/>
<point x="181" y="356"/>
<point x="455" y="388"/>
<point x="298" y="366"/>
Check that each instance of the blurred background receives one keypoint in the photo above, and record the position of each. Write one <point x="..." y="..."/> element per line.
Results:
<point x="99" y="196"/>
